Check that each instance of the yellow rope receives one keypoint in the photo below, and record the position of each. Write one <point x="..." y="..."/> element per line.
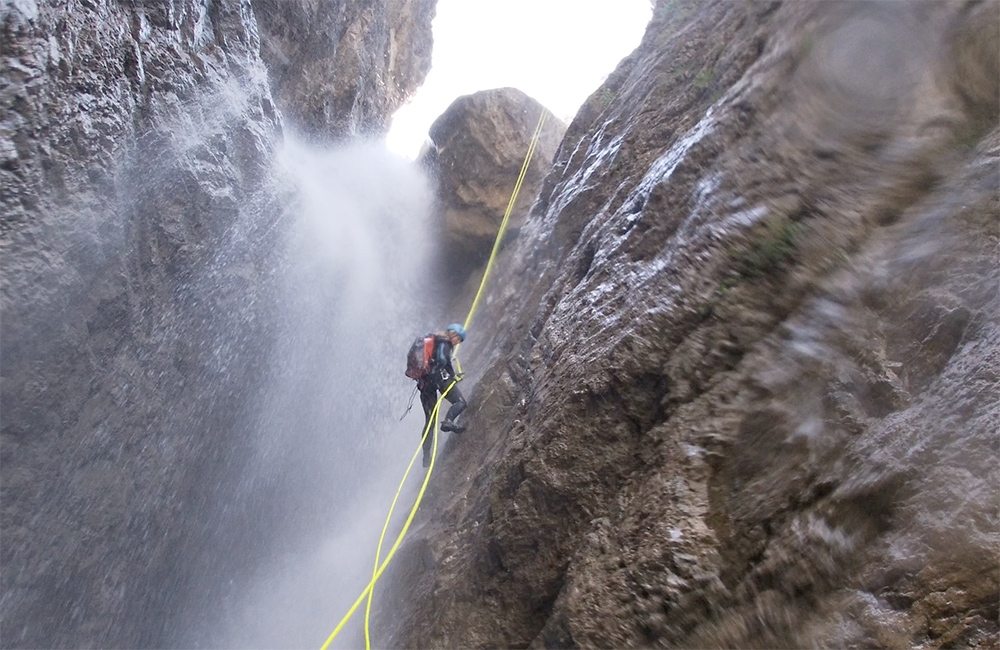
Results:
<point x="406" y="526"/>
<point x="506" y="215"/>
<point x="432" y="423"/>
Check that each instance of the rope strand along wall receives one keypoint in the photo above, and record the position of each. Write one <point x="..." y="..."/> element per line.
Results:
<point x="506" y="215"/>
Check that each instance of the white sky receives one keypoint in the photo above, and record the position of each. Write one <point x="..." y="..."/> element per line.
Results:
<point x="557" y="51"/>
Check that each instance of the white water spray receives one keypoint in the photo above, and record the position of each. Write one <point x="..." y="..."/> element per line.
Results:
<point x="331" y="448"/>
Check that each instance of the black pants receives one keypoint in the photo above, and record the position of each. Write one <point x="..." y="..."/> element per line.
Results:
<point x="429" y="397"/>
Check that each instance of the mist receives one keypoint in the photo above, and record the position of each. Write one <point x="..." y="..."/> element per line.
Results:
<point x="330" y="448"/>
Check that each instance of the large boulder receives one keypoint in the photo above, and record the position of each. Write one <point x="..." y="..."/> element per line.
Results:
<point x="475" y="152"/>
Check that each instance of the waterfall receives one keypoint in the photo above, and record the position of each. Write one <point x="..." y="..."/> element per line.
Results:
<point x="329" y="446"/>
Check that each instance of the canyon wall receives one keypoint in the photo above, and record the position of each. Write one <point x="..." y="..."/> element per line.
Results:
<point x="140" y="239"/>
<point x="736" y="382"/>
<point x="341" y="69"/>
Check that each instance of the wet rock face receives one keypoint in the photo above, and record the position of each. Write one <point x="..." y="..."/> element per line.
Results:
<point x="341" y="68"/>
<point x="738" y="375"/>
<point x="476" y="151"/>
<point x="134" y="139"/>
<point x="138" y="242"/>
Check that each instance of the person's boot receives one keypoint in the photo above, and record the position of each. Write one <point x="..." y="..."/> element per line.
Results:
<point x="427" y="458"/>
<point x="451" y="425"/>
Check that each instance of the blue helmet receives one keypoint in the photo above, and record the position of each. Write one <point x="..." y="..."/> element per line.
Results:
<point x="457" y="329"/>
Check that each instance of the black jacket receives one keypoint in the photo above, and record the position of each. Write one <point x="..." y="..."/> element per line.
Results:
<point x="441" y="371"/>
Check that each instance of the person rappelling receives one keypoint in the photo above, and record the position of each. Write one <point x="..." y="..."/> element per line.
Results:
<point x="429" y="363"/>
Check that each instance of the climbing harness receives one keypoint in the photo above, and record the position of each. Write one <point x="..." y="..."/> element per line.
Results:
<point x="432" y="421"/>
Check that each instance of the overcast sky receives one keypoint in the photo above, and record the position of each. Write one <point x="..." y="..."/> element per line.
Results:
<point x="557" y="51"/>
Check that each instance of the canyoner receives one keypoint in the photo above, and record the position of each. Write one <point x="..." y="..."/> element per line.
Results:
<point x="420" y="362"/>
<point x="429" y="363"/>
<point x="436" y="375"/>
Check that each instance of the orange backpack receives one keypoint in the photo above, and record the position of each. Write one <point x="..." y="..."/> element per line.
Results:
<point x="418" y="359"/>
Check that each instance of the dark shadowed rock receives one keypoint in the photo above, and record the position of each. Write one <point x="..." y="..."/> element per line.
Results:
<point x="340" y="68"/>
<point x="475" y="153"/>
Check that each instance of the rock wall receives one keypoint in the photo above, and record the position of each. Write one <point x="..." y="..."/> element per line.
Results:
<point x="475" y="154"/>
<point x="736" y="382"/>
<point x="139" y="237"/>
<point x="340" y="69"/>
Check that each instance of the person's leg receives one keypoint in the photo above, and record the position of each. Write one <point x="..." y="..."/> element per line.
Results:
<point x="458" y="405"/>
<point x="428" y="398"/>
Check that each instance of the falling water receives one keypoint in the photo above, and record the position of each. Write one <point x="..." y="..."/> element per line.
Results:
<point x="330" y="446"/>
